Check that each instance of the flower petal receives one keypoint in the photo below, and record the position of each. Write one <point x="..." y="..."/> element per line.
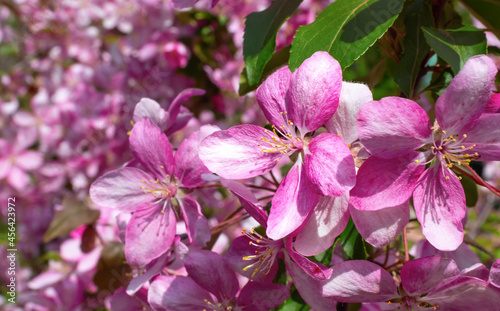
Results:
<point x="209" y="270"/>
<point x="149" y="234"/>
<point x="382" y="226"/>
<point x="440" y="207"/>
<point x="196" y="224"/>
<point x="292" y="204"/>
<point x="151" y="109"/>
<point x="259" y="296"/>
<point x="495" y="274"/>
<point x="493" y="104"/>
<point x="177" y="293"/>
<point x="478" y="271"/>
<point x="152" y="148"/>
<point x="465" y="291"/>
<point x="153" y="268"/>
<point x="327" y="221"/>
<point x="175" y="106"/>
<point x="271" y="96"/>
<point x="235" y="153"/>
<point x="121" y="189"/>
<point x="309" y="288"/>
<point x="315" y="270"/>
<point x="360" y="281"/>
<point x="188" y="165"/>
<point x="329" y="165"/>
<point x="484" y="132"/>
<point x="467" y="95"/>
<point x="344" y="120"/>
<point x="393" y="126"/>
<point x="313" y="95"/>
<point x="421" y="276"/>
<point x="247" y="200"/>
<point x="29" y="160"/>
<point x="385" y="183"/>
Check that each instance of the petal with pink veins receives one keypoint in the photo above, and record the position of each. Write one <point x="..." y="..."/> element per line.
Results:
<point x="121" y="189"/>
<point x="188" y="165"/>
<point x="484" y="132"/>
<point x="382" y="226"/>
<point x="440" y="207"/>
<point x="271" y="96"/>
<point x="329" y="165"/>
<point x="393" y="127"/>
<point x="327" y="221"/>
<point x="467" y="95"/>
<point x="209" y="270"/>
<point x="152" y="148"/>
<point x="151" y="109"/>
<point x="149" y="234"/>
<point x="315" y="270"/>
<point x="292" y="204"/>
<point x="385" y="183"/>
<point x="314" y="92"/>
<point x="236" y="153"/>
<point x="177" y="293"/>
<point x="152" y="269"/>
<point x="360" y="281"/>
<point x="344" y="121"/>
<point x="421" y="276"/>
<point x="196" y="224"/>
<point x="495" y="274"/>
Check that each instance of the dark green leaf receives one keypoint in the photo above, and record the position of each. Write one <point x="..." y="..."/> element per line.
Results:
<point x="279" y="59"/>
<point x="352" y="242"/>
<point x="415" y="48"/>
<point x="74" y="214"/>
<point x="486" y="11"/>
<point x="281" y="277"/>
<point x="456" y="46"/>
<point x="259" y="41"/>
<point x="345" y="29"/>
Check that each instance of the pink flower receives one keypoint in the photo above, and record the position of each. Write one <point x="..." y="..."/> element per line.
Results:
<point x="212" y="286"/>
<point x="431" y="282"/>
<point x="398" y="134"/>
<point x="151" y="193"/>
<point x="296" y="104"/>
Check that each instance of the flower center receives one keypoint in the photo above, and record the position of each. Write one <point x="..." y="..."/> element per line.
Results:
<point x="161" y="190"/>
<point x="265" y="254"/>
<point x="281" y="139"/>
<point x="224" y="306"/>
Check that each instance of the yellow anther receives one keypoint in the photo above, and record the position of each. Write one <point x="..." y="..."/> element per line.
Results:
<point x="128" y="133"/>
<point x="132" y="122"/>
<point x="339" y="134"/>
<point x="244" y="230"/>
<point x="440" y="148"/>
<point x="389" y="302"/>
<point x="463" y="147"/>
<point x="465" y="135"/>
<point x="459" y="177"/>
<point x="416" y="161"/>
<point x="349" y="145"/>
<point x="161" y="166"/>
<point x="444" y="131"/>
<point x="447" y="177"/>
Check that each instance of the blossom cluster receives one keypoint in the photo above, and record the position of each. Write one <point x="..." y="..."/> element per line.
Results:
<point x="235" y="203"/>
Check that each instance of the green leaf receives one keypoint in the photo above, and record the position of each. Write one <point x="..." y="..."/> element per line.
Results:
<point x="470" y="189"/>
<point x="259" y="41"/>
<point x="279" y="59"/>
<point x="352" y="242"/>
<point x="294" y="303"/>
<point x="345" y="29"/>
<point x="325" y="257"/>
<point x="456" y="46"/>
<point x="486" y="11"/>
<point x="74" y="214"/>
<point x="415" y="48"/>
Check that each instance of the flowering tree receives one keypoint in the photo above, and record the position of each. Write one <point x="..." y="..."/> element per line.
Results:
<point x="250" y="155"/>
